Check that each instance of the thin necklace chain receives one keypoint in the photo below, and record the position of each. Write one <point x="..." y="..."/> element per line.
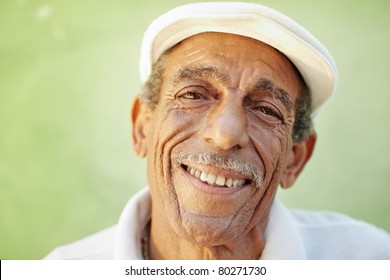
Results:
<point x="145" y="242"/>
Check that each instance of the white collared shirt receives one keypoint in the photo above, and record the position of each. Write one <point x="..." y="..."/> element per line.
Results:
<point x="290" y="234"/>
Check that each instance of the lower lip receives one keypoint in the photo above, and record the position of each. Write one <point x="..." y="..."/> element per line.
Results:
<point x="204" y="187"/>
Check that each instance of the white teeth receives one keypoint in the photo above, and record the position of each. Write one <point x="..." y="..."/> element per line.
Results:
<point x="220" y="181"/>
<point x="212" y="179"/>
<point x="203" y="176"/>
<point x="229" y="182"/>
<point x="238" y="183"/>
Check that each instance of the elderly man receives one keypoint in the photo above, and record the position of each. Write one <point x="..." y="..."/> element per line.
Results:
<point x="224" y="119"/>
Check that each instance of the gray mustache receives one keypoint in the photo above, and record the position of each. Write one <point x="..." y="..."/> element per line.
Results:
<point x="219" y="161"/>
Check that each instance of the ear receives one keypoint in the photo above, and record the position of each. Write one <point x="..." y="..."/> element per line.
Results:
<point x="297" y="159"/>
<point x="140" y="119"/>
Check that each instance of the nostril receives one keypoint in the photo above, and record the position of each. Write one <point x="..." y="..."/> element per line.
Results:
<point x="226" y="129"/>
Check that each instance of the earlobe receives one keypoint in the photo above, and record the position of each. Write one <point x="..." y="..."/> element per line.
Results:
<point x="297" y="159"/>
<point x="140" y="117"/>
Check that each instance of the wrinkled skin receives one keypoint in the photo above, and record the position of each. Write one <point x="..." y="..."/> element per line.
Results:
<point x="221" y="111"/>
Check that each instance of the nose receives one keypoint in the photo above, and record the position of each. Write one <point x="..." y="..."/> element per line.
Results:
<point x="226" y="126"/>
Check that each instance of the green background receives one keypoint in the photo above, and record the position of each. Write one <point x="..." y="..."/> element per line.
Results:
<point x="68" y="74"/>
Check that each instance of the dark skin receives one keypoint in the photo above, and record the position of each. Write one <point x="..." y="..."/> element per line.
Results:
<point x="213" y="99"/>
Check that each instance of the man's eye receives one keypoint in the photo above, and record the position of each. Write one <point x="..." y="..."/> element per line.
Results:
<point x="192" y="95"/>
<point x="270" y="112"/>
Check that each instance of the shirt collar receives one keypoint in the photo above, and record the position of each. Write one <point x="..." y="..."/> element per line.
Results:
<point x="282" y="238"/>
<point x="132" y="221"/>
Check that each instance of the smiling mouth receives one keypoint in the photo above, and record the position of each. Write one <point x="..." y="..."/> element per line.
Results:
<point x="216" y="180"/>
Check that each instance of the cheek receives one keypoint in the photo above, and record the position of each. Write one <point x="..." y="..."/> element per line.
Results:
<point x="169" y="125"/>
<point x="272" y="145"/>
<point x="169" y="128"/>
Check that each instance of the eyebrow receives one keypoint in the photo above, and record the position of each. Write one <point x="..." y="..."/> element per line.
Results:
<point x="211" y="73"/>
<point x="277" y="92"/>
<point x="200" y="72"/>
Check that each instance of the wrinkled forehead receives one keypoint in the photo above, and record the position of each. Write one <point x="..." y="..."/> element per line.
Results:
<point x="206" y="52"/>
<point x="214" y="41"/>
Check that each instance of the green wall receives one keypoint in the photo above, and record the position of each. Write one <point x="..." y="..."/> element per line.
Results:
<point x="68" y="74"/>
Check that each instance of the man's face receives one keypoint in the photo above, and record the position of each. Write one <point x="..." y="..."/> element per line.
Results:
<point x="220" y="138"/>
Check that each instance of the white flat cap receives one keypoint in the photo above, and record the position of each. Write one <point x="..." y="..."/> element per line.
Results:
<point x="311" y="58"/>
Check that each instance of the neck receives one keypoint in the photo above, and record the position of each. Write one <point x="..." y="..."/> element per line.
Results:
<point x="165" y="244"/>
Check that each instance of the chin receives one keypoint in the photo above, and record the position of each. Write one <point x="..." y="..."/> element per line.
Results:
<point x="209" y="231"/>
